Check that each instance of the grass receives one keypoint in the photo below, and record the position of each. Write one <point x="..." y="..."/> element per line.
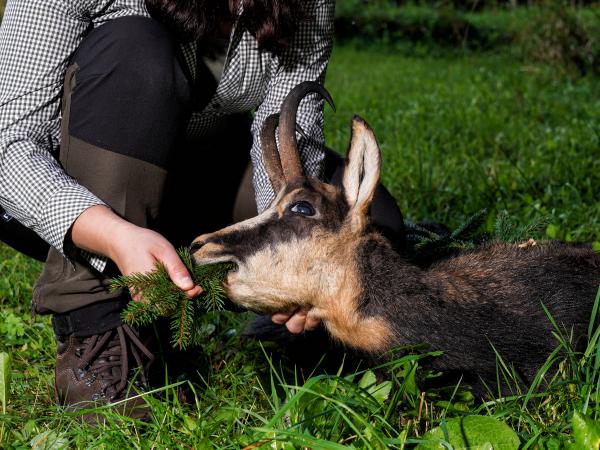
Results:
<point x="462" y="134"/>
<point x="458" y="133"/>
<point x="557" y="32"/>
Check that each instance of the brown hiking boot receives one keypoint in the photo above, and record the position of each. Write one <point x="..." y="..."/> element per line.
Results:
<point x="103" y="369"/>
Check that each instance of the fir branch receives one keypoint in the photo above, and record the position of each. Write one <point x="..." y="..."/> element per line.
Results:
<point x="182" y="324"/>
<point x="466" y="232"/>
<point x="426" y="243"/>
<point x="508" y="229"/>
<point x="140" y="314"/>
<point x="429" y="242"/>
<point x="162" y="298"/>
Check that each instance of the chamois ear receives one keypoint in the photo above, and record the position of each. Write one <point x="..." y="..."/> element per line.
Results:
<point x="361" y="175"/>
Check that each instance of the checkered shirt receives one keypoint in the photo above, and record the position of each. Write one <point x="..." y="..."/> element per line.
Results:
<point x="37" y="40"/>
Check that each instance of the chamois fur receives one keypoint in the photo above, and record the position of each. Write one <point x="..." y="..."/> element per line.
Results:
<point x="315" y="248"/>
<point x="492" y="295"/>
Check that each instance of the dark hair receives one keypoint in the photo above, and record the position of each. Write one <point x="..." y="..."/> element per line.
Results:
<point x="272" y="22"/>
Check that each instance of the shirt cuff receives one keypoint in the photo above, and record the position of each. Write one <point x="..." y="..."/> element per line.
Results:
<point x="58" y="215"/>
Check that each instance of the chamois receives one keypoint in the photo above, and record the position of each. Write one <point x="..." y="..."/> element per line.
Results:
<point x="314" y="248"/>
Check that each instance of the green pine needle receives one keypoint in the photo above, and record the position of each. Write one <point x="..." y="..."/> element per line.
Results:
<point x="508" y="229"/>
<point x="467" y="231"/>
<point x="162" y="298"/>
<point x="426" y="245"/>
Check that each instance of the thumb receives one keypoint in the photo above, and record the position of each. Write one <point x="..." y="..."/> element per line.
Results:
<point x="177" y="271"/>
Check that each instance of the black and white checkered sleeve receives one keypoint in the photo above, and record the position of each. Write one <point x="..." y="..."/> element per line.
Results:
<point x="305" y="60"/>
<point x="36" y="41"/>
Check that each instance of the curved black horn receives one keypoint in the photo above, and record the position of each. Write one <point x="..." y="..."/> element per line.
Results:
<point x="270" y="154"/>
<point x="288" y="145"/>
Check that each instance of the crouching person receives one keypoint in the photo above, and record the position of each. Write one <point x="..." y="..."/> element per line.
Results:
<point x="124" y="133"/>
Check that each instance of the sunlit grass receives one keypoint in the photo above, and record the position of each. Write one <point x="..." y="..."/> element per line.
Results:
<point x="458" y="134"/>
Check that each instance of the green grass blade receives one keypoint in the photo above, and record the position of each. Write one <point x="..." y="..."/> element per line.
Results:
<point x="300" y="439"/>
<point x="4" y="379"/>
<point x="594" y="314"/>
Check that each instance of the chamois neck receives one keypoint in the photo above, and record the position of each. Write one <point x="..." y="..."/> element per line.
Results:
<point x="394" y="292"/>
<point x="386" y="276"/>
<point x="370" y="302"/>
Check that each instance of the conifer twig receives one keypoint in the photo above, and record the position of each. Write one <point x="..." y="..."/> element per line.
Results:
<point x="162" y="298"/>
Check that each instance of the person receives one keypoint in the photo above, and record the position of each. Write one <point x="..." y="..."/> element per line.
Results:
<point x="125" y="131"/>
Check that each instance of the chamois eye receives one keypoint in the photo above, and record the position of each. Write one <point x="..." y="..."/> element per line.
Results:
<point x="302" y="208"/>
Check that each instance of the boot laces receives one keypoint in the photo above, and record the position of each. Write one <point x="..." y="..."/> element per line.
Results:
<point x="107" y="356"/>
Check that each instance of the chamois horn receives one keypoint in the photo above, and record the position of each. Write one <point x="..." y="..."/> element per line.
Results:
<point x="288" y="145"/>
<point x="270" y="153"/>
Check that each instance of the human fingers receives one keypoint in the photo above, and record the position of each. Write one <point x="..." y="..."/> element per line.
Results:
<point x="311" y="323"/>
<point x="176" y="269"/>
<point x="194" y="292"/>
<point x="281" y="318"/>
<point x="297" y="322"/>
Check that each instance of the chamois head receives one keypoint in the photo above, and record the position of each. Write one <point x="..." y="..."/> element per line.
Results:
<point x="301" y="251"/>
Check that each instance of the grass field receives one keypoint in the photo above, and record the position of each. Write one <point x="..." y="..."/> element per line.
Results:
<point x="458" y="133"/>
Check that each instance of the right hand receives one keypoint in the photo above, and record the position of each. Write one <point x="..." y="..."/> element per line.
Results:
<point x="296" y="321"/>
<point x="133" y="249"/>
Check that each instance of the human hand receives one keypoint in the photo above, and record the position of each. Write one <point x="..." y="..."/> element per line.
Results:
<point x="137" y="250"/>
<point x="297" y="321"/>
<point x="133" y="249"/>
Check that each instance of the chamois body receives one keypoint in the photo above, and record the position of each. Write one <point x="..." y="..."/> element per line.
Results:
<point x="314" y="248"/>
<point x="492" y="295"/>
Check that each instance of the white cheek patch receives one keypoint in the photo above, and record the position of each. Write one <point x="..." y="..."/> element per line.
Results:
<point x="317" y="273"/>
<point x="298" y="272"/>
<point x="269" y="274"/>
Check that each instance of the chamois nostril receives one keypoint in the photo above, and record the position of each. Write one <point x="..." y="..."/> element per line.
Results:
<point x="195" y="247"/>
